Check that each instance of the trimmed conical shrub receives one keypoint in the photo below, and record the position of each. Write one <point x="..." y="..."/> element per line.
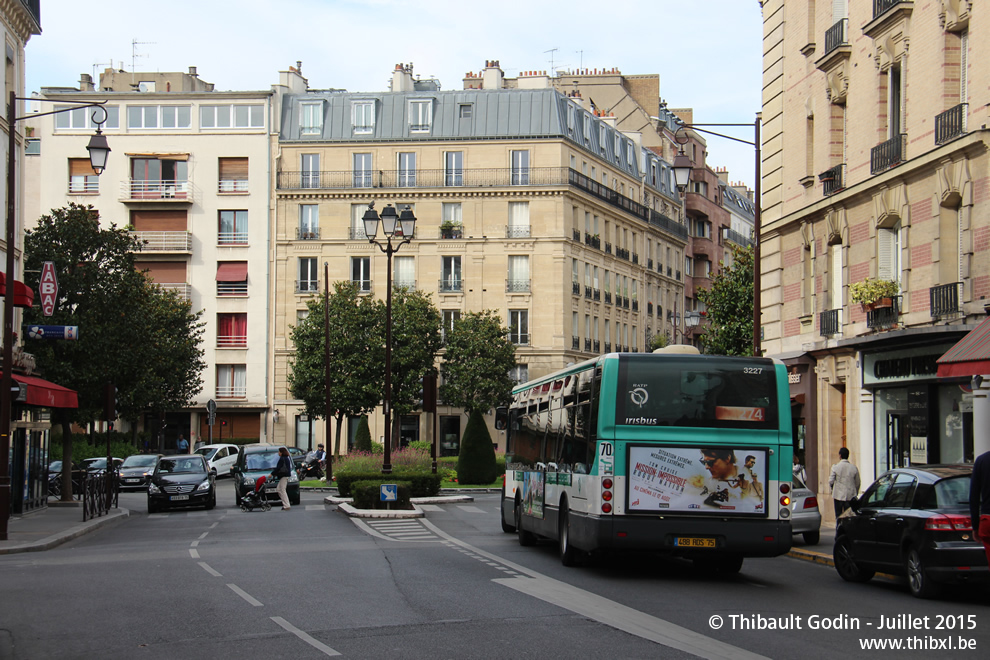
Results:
<point x="362" y="438"/>
<point x="476" y="462"/>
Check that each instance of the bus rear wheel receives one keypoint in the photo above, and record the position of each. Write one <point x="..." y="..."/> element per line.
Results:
<point x="525" y="538"/>
<point x="568" y="553"/>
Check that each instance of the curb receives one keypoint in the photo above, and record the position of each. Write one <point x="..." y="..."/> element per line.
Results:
<point x="812" y="556"/>
<point x="343" y="504"/>
<point x="73" y="532"/>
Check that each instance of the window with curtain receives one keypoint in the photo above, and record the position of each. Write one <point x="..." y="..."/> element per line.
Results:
<point x="519" y="373"/>
<point x="311" y="121"/>
<point x="233" y="228"/>
<point x="231" y="381"/>
<point x="309" y="276"/>
<point x="357" y="222"/>
<point x="420" y="115"/>
<point x="451" y="212"/>
<point x="518" y="276"/>
<point x="520" y="167"/>
<point x="405" y="272"/>
<point x="453" y="168"/>
<point x="889" y="253"/>
<point x="518" y="220"/>
<point x="310" y="170"/>
<point x="451" y="274"/>
<point x="232" y="330"/>
<point x="835" y="275"/>
<point x="361" y="273"/>
<point x="309" y="221"/>
<point x="363" y="117"/>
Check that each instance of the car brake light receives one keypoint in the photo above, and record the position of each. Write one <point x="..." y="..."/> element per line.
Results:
<point x="811" y="503"/>
<point x="785" y="488"/>
<point x="949" y="523"/>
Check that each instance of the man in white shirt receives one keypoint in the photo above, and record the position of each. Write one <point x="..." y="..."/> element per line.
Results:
<point x="844" y="482"/>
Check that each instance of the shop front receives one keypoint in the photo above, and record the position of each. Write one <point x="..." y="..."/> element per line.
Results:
<point x="801" y="380"/>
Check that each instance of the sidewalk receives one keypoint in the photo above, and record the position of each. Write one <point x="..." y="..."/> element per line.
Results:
<point x="45" y="529"/>
<point x="821" y="552"/>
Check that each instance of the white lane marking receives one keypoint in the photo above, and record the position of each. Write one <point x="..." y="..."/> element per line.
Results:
<point x="318" y="645"/>
<point x="203" y="535"/>
<point x="209" y="569"/>
<point x="194" y="553"/>
<point x="470" y="509"/>
<point x="606" y="611"/>
<point x="245" y="595"/>
<point x="214" y="525"/>
<point x="194" y="544"/>
<point x="624" y="618"/>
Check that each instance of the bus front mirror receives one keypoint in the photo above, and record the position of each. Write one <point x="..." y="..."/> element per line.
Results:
<point x="501" y="418"/>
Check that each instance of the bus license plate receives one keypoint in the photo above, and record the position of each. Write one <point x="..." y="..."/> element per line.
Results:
<point x="176" y="498"/>
<point x="695" y="541"/>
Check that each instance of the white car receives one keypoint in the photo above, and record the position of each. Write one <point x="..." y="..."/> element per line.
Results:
<point x="806" y="519"/>
<point x="220" y="458"/>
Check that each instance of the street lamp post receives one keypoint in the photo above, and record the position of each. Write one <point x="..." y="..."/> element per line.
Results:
<point x="682" y="167"/>
<point x="98" y="152"/>
<point x="326" y="370"/>
<point x="393" y="226"/>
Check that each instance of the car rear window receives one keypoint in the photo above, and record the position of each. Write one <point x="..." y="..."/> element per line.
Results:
<point x="175" y="466"/>
<point x="945" y="494"/>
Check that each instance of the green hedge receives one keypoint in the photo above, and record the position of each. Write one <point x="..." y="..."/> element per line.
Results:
<point x="367" y="494"/>
<point x="421" y="484"/>
<point x="451" y="462"/>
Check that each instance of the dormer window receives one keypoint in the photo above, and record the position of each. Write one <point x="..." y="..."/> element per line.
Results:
<point x="420" y="115"/>
<point x="311" y="122"/>
<point x="363" y="117"/>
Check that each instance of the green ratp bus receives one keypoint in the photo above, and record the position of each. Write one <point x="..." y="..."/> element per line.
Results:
<point x="673" y="452"/>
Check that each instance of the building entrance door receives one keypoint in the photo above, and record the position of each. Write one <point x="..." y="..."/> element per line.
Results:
<point x="898" y="439"/>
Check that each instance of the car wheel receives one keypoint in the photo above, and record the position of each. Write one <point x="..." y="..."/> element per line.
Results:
<point x="845" y="562"/>
<point x="812" y="538"/>
<point x="295" y="500"/>
<point x="568" y="553"/>
<point x="212" y="502"/>
<point x="525" y="538"/>
<point x="918" y="581"/>
<point x="506" y="527"/>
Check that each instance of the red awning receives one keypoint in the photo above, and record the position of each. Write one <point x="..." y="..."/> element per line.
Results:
<point x="970" y="356"/>
<point x="41" y="392"/>
<point x="23" y="294"/>
<point x="232" y="271"/>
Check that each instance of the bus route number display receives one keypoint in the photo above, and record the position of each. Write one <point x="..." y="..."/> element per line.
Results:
<point x="606" y="459"/>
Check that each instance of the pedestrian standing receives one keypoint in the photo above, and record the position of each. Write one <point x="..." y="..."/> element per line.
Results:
<point x="979" y="500"/>
<point x="844" y="482"/>
<point x="182" y="444"/>
<point x="282" y="472"/>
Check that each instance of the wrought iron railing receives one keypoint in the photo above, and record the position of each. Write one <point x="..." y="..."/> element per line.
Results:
<point x="884" y="318"/>
<point x="608" y="248"/>
<point x="833" y="179"/>
<point x="156" y="190"/>
<point x="951" y="123"/>
<point x="593" y="240"/>
<point x="404" y="284"/>
<point x="307" y="286"/>
<point x="587" y="292"/>
<point x="608" y="298"/>
<point x="831" y="322"/>
<point x="887" y="154"/>
<point x="835" y="36"/>
<point x="575" y="343"/>
<point x="597" y="346"/>
<point x="576" y="288"/>
<point x="517" y="286"/>
<point x="608" y="347"/>
<point x="456" y="231"/>
<point x="944" y="299"/>
<point x="880" y="7"/>
<point x="587" y="345"/>
<point x="577" y="235"/>
<point x="517" y="231"/>
<point x="307" y="233"/>
<point x="451" y="286"/>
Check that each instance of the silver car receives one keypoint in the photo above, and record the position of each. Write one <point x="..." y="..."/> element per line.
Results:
<point x="806" y="519"/>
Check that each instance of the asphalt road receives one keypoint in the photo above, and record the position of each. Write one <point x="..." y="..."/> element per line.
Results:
<point x="312" y="583"/>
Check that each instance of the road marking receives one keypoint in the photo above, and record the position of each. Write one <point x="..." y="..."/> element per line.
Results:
<point x="194" y="553"/>
<point x="203" y="535"/>
<point x="603" y="610"/>
<point x="214" y="524"/>
<point x="316" y="644"/>
<point x="245" y="595"/>
<point x="194" y="544"/>
<point x="470" y="509"/>
<point x="209" y="569"/>
<point x="396" y="530"/>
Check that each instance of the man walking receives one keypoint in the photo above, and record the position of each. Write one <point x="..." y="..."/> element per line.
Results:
<point x="979" y="500"/>
<point x="182" y="445"/>
<point x="844" y="482"/>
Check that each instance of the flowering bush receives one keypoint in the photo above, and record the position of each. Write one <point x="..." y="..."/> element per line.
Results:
<point x="869" y="291"/>
<point x="363" y="461"/>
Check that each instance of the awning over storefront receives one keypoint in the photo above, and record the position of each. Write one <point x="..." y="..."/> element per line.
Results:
<point x="23" y="294"/>
<point x="40" y="392"/>
<point x="970" y="356"/>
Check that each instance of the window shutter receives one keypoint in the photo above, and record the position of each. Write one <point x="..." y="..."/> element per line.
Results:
<point x="885" y="254"/>
<point x="81" y="167"/>
<point x="233" y="169"/>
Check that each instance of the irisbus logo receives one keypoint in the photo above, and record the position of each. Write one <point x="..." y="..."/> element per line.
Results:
<point x="641" y="421"/>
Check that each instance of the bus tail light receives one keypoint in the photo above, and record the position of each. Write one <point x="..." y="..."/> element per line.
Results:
<point x="785" y="488"/>
<point x="606" y="508"/>
<point x="785" y="501"/>
<point x="606" y="483"/>
<point x="606" y="495"/>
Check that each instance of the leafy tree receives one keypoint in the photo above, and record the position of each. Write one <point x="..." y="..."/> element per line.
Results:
<point x="415" y="342"/>
<point x="356" y="356"/>
<point x="658" y="340"/>
<point x="477" y="362"/>
<point x="362" y="437"/>
<point x="116" y="310"/>
<point x="476" y="463"/>
<point x="730" y="307"/>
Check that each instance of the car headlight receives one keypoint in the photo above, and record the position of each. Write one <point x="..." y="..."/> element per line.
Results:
<point x="249" y="481"/>
<point x="152" y="488"/>
<point x="203" y="486"/>
<point x="293" y="478"/>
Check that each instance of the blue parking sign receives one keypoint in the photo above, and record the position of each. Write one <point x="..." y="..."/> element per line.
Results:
<point x="390" y="492"/>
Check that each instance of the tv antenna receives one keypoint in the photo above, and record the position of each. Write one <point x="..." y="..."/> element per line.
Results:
<point x="581" y="53"/>
<point x="134" y="54"/>
<point x="551" y="51"/>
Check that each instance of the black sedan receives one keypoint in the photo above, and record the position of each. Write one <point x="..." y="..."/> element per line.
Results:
<point x="135" y="472"/>
<point x="913" y="522"/>
<point x="182" y="480"/>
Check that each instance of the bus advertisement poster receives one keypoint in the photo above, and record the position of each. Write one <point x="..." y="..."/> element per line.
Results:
<point x="532" y="494"/>
<point x="697" y="479"/>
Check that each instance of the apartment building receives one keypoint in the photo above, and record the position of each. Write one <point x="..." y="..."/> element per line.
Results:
<point x="875" y="166"/>
<point x="189" y="174"/>
<point x="528" y="202"/>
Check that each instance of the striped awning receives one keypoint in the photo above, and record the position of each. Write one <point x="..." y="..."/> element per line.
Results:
<point x="970" y="356"/>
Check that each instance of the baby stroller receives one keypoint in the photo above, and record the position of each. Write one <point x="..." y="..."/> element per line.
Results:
<point x="257" y="498"/>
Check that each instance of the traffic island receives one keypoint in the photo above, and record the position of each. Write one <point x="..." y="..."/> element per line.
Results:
<point x="345" y="506"/>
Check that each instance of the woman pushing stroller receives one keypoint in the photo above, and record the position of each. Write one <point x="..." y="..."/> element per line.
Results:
<point x="282" y="472"/>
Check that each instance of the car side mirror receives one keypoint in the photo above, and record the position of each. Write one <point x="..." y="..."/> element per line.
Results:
<point x="234" y="469"/>
<point x="854" y="504"/>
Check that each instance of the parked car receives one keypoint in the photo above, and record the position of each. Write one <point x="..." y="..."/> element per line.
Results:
<point x="220" y="457"/>
<point x="135" y="472"/>
<point x="55" y="479"/>
<point x="181" y="480"/>
<point x="99" y="464"/>
<point x="914" y="522"/>
<point x="806" y="518"/>
<point x="257" y="460"/>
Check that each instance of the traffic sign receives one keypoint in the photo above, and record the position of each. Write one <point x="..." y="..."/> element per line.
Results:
<point x="211" y="407"/>
<point x="48" y="288"/>
<point x="390" y="492"/>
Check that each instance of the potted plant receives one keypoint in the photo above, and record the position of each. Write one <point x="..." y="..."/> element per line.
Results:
<point x="872" y="293"/>
<point x="449" y="230"/>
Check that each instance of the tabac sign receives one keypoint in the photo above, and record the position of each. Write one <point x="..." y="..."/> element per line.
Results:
<point x="48" y="288"/>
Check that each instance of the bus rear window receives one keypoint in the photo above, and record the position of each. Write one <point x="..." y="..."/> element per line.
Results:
<point x="696" y="392"/>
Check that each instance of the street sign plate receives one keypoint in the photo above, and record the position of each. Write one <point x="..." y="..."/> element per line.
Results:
<point x="53" y="332"/>
<point x="390" y="492"/>
<point x="211" y="407"/>
<point x="48" y="288"/>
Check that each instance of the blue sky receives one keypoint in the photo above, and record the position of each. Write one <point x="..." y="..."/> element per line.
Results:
<point x="708" y="54"/>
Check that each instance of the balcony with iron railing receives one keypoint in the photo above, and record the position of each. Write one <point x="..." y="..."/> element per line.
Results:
<point x="951" y="124"/>
<point x="608" y="298"/>
<point x="622" y="253"/>
<point x="577" y="235"/>
<point x="635" y="258"/>
<point x="452" y="232"/>
<point x="608" y="347"/>
<point x="596" y="294"/>
<point x="649" y="309"/>
<point x="596" y="346"/>
<point x="363" y="286"/>
<point x="836" y="35"/>
<point x="593" y="240"/>
<point x="409" y="285"/>
<point x="140" y="190"/>
<point x="587" y="292"/>
<point x="517" y="286"/>
<point x="944" y="299"/>
<point x="164" y="241"/>
<point x="887" y="154"/>
<point x="831" y="322"/>
<point x="833" y="179"/>
<point x="608" y="248"/>
<point x="517" y="231"/>
<point x="519" y="338"/>
<point x="89" y="185"/>
<point x="575" y="343"/>
<point x="587" y="345"/>
<point x="307" y="233"/>
<point x="182" y="289"/>
<point x="649" y="264"/>
<point x="886" y="15"/>
<point x="884" y="318"/>
<point x="231" y="391"/>
<point x="449" y="285"/>
<point x="576" y="288"/>
<point x="881" y="7"/>
<point x="231" y="341"/>
<point x="635" y="305"/>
